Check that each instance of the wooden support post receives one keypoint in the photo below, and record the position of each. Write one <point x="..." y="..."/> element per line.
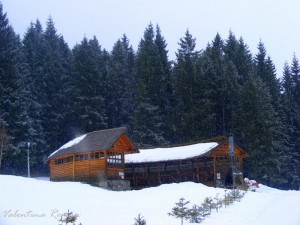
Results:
<point x="215" y="170"/>
<point x="197" y="175"/>
<point x="159" y="181"/>
<point x="73" y="172"/>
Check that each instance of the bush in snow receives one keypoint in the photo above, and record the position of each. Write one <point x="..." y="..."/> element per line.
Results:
<point x="207" y="205"/>
<point x="69" y="217"/>
<point x="236" y="194"/>
<point x="218" y="202"/>
<point x="140" y="220"/>
<point x="196" y="214"/>
<point x="180" y="210"/>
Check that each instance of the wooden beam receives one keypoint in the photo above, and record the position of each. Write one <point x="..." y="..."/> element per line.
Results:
<point x="73" y="172"/>
<point x="215" y="169"/>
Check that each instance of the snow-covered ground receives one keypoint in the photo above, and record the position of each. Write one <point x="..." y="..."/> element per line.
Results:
<point x="28" y="201"/>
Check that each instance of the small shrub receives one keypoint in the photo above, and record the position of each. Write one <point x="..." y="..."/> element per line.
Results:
<point x="236" y="194"/>
<point x="140" y="220"/>
<point x="218" y="202"/>
<point x="196" y="214"/>
<point x="68" y="217"/>
<point x="180" y="210"/>
<point x="207" y="205"/>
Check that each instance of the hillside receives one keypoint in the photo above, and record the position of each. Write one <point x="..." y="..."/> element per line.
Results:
<point x="45" y="200"/>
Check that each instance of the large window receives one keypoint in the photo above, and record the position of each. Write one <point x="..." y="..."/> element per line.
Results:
<point x="115" y="159"/>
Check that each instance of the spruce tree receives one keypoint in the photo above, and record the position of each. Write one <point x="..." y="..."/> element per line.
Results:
<point x="191" y="101"/>
<point x="215" y="82"/>
<point x="266" y="70"/>
<point x="34" y="51"/>
<point x="119" y="94"/>
<point x="13" y="70"/>
<point x="295" y="73"/>
<point x="166" y="99"/>
<point x="140" y="220"/>
<point x="289" y="158"/>
<point x="56" y="79"/>
<point x="149" y="124"/>
<point x="88" y="111"/>
<point x="180" y="210"/>
<point x="258" y="131"/>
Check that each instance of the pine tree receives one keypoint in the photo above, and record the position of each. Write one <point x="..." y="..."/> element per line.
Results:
<point x="258" y="131"/>
<point x="140" y="220"/>
<point x="266" y="70"/>
<point x="149" y="124"/>
<point x="191" y="102"/>
<point x="180" y="210"/>
<point x="196" y="214"/>
<point x="13" y="70"/>
<point x="56" y="79"/>
<point x="34" y="51"/>
<point x="88" y="111"/>
<point x="166" y="95"/>
<point x="295" y="73"/>
<point x="215" y="83"/>
<point x="119" y="94"/>
<point x="289" y="157"/>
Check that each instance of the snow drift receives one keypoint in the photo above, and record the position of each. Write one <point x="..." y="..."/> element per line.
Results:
<point x="29" y="201"/>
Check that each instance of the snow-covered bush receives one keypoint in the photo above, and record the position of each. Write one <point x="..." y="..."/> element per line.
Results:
<point x="140" y="220"/>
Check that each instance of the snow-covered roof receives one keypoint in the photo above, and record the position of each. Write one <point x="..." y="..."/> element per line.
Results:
<point x="69" y="144"/>
<point x="93" y="141"/>
<point x="174" y="153"/>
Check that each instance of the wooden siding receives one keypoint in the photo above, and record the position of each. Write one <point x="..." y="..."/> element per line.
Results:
<point x="117" y="151"/>
<point x="87" y="168"/>
<point x="62" y="171"/>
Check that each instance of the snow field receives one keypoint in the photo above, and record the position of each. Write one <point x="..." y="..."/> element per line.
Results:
<point x="97" y="206"/>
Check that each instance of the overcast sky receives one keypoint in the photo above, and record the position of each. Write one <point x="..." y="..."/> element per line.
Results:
<point x="276" y="23"/>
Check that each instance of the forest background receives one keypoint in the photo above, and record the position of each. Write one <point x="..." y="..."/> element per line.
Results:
<point x="50" y="93"/>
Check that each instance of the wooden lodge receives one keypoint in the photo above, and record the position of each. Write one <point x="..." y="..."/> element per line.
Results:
<point x="208" y="163"/>
<point x="105" y="158"/>
<point x="96" y="157"/>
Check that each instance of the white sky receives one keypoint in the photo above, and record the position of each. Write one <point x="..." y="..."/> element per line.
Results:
<point x="276" y="23"/>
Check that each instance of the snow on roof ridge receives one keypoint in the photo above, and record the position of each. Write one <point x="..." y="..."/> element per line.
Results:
<point x="167" y="154"/>
<point x="70" y="144"/>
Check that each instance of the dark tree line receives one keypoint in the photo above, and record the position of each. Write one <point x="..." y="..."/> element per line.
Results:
<point x="50" y="93"/>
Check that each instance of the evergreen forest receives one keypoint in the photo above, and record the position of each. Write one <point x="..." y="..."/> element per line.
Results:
<point x="51" y="93"/>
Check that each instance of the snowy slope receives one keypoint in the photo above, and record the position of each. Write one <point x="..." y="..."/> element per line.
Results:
<point x="98" y="206"/>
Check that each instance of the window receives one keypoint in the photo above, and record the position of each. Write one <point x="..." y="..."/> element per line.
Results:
<point x="92" y="156"/>
<point x="101" y="155"/>
<point x="68" y="159"/>
<point x="97" y="155"/>
<point x="115" y="159"/>
<point x="81" y="157"/>
<point x="85" y="157"/>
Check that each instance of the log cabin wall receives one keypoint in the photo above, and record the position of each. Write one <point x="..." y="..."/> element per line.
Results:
<point x="95" y="157"/>
<point x="87" y="167"/>
<point x="91" y="167"/>
<point x="61" y="168"/>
